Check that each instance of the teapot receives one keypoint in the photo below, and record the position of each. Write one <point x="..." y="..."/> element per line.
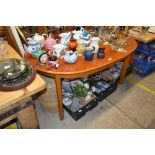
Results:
<point x="39" y="38"/>
<point x="33" y="46"/>
<point x="70" y="56"/>
<point x="65" y="37"/>
<point x="49" y="42"/>
<point x="72" y="44"/>
<point x="57" y="49"/>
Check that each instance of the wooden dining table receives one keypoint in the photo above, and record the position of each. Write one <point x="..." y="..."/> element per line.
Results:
<point x="83" y="68"/>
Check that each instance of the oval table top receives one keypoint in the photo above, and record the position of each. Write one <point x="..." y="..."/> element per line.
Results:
<point x="81" y="66"/>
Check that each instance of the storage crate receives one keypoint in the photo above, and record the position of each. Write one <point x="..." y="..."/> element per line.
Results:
<point x="98" y="80"/>
<point x="103" y="94"/>
<point x="147" y="49"/>
<point x="76" y="105"/>
<point x="143" y="67"/>
<point x="82" y="111"/>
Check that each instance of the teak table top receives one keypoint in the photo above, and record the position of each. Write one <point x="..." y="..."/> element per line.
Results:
<point x="11" y="97"/>
<point x="82" y="66"/>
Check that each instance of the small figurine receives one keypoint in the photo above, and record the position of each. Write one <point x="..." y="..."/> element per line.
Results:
<point x="53" y="60"/>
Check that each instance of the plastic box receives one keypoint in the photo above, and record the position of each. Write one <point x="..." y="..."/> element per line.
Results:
<point x="103" y="94"/>
<point x="82" y="111"/>
<point x="147" y="49"/>
<point x="143" y="67"/>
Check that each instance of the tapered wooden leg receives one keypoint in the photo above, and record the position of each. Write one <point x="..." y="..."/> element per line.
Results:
<point x="124" y="68"/>
<point x="28" y="118"/>
<point x="59" y="96"/>
<point x="132" y="62"/>
<point x="132" y="58"/>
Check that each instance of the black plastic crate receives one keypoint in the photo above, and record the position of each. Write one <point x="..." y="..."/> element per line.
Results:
<point x="82" y="111"/>
<point x="101" y="96"/>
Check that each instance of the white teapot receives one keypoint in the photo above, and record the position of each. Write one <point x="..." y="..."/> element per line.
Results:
<point x="70" y="56"/>
<point x="57" y="49"/>
<point x="39" y="38"/>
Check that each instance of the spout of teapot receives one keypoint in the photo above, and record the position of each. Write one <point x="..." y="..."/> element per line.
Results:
<point x="56" y="40"/>
<point x="29" y="39"/>
<point x="45" y="36"/>
<point x="26" y="48"/>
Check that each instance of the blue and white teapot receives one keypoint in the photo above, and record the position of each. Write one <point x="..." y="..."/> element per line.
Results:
<point x="70" y="56"/>
<point x="33" y="46"/>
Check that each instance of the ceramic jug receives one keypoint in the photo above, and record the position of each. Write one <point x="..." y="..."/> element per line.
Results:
<point x="49" y="43"/>
<point x="65" y="37"/>
<point x="95" y="43"/>
<point x="85" y="36"/>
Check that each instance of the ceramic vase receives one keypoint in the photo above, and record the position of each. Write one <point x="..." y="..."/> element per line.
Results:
<point x="101" y="53"/>
<point x="73" y="44"/>
<point x="89" y="55"/>
<point x="95" y="43"/>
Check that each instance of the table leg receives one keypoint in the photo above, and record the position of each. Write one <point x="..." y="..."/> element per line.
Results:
<point x="131" y="62"/>
<point x="132" y="58"/>
<point x="59" y="97"/>
<point x="124" y="68"/>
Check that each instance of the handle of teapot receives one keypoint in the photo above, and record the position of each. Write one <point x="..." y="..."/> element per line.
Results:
<point x="57" y="40"/>
<point x="29" y="39"/>
<point x="45" y="35"/>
